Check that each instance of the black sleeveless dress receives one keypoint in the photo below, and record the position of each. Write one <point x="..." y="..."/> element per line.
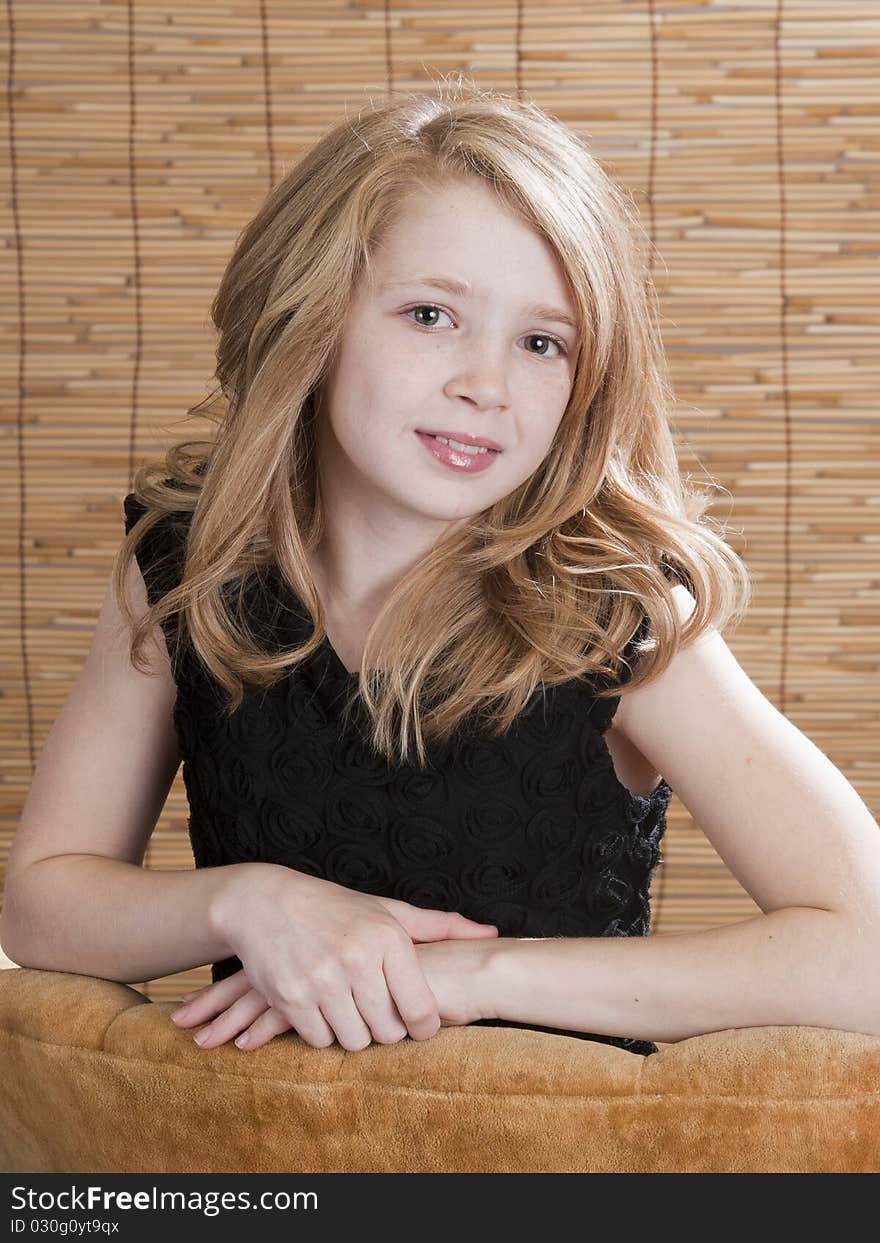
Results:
<point x="532" y="832"/>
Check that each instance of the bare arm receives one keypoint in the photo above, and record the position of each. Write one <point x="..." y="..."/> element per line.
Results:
<point x="796" y="966"/>
<point x="76" y="896"/>
<point x="90" y="915"/>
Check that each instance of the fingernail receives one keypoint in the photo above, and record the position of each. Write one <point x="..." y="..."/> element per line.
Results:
<point x="179" y="1012"/>
<point x="243" y="1040"/>
<point x="187" y="997"/>
<point x="201" y="1037"/>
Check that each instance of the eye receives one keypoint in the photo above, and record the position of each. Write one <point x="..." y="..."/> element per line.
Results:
<point x="543" y="336"/>
<point x="533" y="336"/>
<point x="426" y="306"/>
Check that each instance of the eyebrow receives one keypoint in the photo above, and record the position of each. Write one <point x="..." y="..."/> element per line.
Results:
<point x="462" y="289"/>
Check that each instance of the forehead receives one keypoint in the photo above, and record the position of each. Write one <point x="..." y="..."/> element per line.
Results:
<point x="464" y="228"/>
<point x="463" y="239"/>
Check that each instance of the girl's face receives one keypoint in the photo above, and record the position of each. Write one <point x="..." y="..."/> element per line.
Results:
<point x="495" y="363"/>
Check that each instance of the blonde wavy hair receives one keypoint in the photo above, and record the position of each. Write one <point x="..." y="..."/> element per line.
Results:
<point x="549" y="583"/>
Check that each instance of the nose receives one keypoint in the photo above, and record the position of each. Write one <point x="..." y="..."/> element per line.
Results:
<point x="482" y="378"/>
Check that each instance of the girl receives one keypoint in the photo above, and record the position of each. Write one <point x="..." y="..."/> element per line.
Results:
<point x="438" y="530"/>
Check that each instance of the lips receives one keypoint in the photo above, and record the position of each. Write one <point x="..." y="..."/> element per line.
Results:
<point x="465" y="438"/>
<point x="471" y="461"/>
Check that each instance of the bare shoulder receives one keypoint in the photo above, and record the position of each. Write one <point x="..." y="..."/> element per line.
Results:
<point x="630" y="701"/>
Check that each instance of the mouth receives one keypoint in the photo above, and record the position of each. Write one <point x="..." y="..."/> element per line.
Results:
<point x="458" y="455"/>
<point x="464" y="442"/>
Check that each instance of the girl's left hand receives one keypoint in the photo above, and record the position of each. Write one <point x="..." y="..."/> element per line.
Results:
<point x="230" y="1007"/>
<point x="453" y="970"/>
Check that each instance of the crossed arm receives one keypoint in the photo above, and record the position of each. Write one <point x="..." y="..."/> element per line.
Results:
<point x="798" y="966"/>
<point x="787" y="823"/>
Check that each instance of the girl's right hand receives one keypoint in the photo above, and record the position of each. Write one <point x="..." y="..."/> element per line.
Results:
<point x="333" y="962"/>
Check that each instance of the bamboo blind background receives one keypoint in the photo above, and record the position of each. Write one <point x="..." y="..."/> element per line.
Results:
<point x="140" y="137"/>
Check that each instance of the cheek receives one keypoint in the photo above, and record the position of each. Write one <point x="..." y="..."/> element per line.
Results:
<point x="360" y="400"/>
<point x="377" y="397"/>
<point x="370" y="436"/>
<point x="537" y="434"/>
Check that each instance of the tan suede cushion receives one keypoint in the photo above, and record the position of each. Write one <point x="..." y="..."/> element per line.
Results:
<point x="96" y="1078"/>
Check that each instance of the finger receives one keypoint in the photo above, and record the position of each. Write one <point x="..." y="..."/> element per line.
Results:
<point x="405" y="979"/>
<point x="308" y="1022"/>
<point x="469" y="928"/>
<point x="450" y="925"/>
<point x="345" y="1019"/>
<point x="212" y="1000"/>
<point x="376" y="1007"/>
<point x="238" y="1018"/>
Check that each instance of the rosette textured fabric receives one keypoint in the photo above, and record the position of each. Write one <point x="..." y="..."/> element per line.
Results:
<point x="532" y="831"/>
